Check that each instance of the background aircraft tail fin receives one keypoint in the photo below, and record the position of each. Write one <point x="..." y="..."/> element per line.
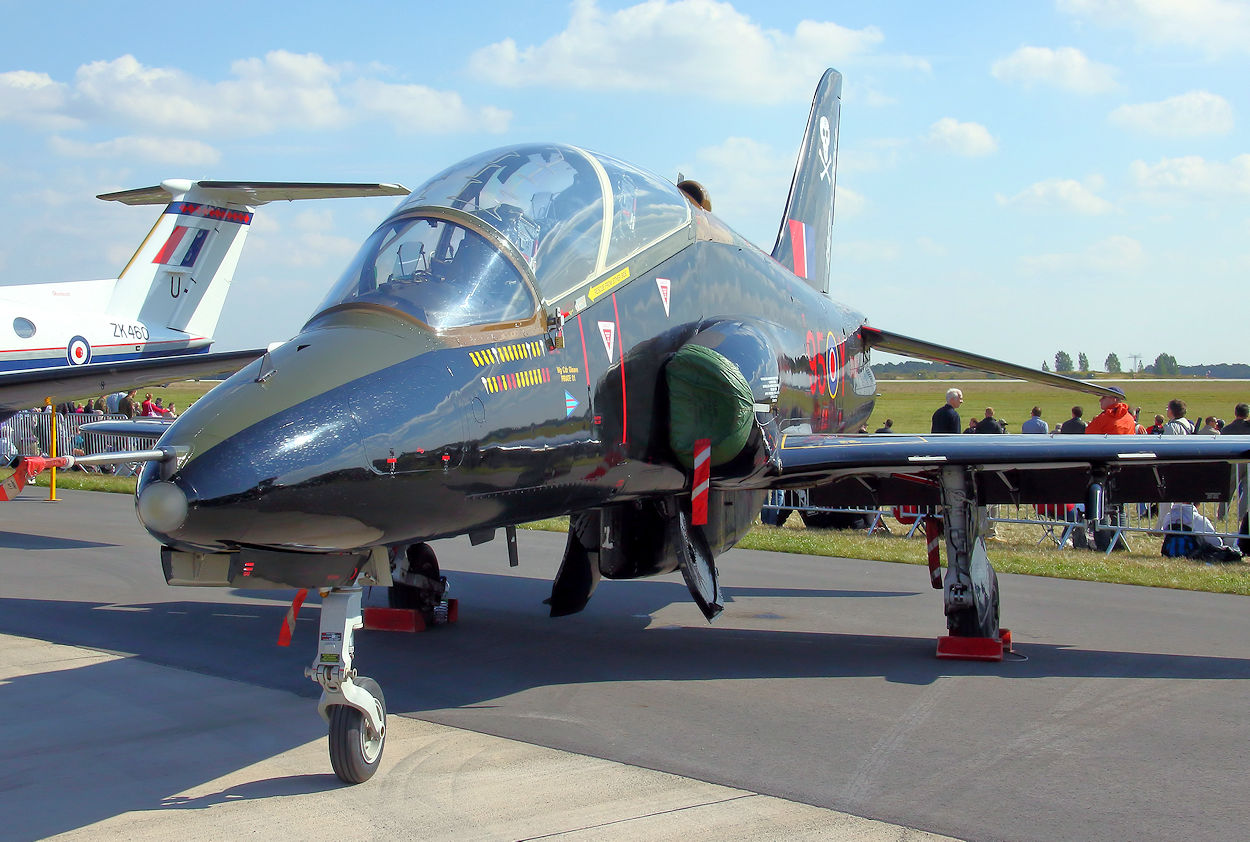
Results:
<point x="181" y="273"/>
<point x="805" y="239"/>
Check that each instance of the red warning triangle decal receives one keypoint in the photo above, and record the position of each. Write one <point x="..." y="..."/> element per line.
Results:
<point x="664" y="284"/>
<point x="608" y="331"/>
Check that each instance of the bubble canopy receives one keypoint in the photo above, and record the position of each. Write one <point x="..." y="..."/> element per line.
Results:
<point x="463" y="248"/>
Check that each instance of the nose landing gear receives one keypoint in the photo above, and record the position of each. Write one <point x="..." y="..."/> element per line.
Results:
<point x="352" y="705"/>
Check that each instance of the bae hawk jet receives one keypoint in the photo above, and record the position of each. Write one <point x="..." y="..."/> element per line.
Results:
<point x="543" y="330"/>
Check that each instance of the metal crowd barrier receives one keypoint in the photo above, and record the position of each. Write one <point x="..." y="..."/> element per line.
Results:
<point x="29" y="433"/>
<point x="1061" y="524"/>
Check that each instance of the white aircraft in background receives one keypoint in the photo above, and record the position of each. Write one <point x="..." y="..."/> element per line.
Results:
<point x="155" y="322"/>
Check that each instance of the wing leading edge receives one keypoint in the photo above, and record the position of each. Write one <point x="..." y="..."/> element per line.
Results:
<point x="906" y="346"/>
<point x="903" y="470"/>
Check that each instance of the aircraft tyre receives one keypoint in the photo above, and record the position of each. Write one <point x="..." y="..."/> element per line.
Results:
<point x="355" y="750"/>
<point x="426" y="590"/>
<point x="967" y="623"/>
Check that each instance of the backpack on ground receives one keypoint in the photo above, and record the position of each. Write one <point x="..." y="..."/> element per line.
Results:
<point x="1179" y="546"/>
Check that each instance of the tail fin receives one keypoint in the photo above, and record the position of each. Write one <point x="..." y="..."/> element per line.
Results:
<point x="180" y="275"/>
<point x="806" y="236"/>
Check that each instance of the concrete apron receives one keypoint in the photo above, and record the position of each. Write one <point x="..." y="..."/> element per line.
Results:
<point x="107" y="746"/>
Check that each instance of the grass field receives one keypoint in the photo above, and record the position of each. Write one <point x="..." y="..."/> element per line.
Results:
<point x="910" y="403"/>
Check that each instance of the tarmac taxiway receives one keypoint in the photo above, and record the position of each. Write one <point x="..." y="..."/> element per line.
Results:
<point x="813" y="708"/>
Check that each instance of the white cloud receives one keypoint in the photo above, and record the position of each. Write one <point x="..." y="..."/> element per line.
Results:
<point x="848" y="203"/>
<point x="1062" y="194"/>
<point x="1211" y="26"/>
<point x="416" y="109"/>
<point x="281" y="91"/>
<point x="972" y="140"/>
<point x="1066" y="67"/>
<point x="701" y="46"/>
<point x="34" y="99"/>
<point x="871" y="155"/>
<point x="1114" y="255"/>
<point x="1193" y="176"/>
<point x="158" y="149"/>
<point x="736" y="174"/>
<point x="1193" y="114"/>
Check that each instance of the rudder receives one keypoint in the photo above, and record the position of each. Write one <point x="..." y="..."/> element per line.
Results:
<point x="805" y="240"/>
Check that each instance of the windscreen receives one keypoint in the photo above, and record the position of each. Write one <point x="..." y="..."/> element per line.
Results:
<point x="440" y="273"/>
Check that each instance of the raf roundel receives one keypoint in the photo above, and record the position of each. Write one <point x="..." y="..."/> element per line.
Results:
<point x="78" y="352"/>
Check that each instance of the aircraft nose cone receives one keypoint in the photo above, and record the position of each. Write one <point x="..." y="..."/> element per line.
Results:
<point x="162" y="507"/>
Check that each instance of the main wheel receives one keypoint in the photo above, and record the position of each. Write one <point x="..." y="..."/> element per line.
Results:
<point x="399" y="595"/>
<point x="355" y="748"/>
<point x="966" y="623"/>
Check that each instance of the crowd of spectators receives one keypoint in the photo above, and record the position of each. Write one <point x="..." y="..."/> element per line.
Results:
<point x="1116" y="418"/>
<point x="30" y="433"/>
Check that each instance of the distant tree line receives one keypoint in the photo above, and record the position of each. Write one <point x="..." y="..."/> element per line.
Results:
<point x="1164" y="365"/>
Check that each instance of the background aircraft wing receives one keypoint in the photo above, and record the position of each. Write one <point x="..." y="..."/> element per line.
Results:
<point x="903" y="470"/>
<point x="906" y="346"/>
<point x="26" y="389"/>
<point x="260" y="192"/>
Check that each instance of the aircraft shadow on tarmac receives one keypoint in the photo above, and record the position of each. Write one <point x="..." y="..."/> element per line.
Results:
<point x="25" y="541"/>
<point x="504" y="644"/>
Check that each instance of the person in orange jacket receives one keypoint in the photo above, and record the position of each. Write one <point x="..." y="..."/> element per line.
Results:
<point x="1115" y="417"/>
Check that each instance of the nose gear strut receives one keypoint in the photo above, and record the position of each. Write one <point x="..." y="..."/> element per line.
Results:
<point x="352" y="705"/>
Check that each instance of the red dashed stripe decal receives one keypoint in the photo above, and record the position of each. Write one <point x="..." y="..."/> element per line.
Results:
<point x="702" y="481"/>
<point x="210" y="212"/>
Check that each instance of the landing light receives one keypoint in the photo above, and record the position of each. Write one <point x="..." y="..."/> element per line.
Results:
<point x="162" y="507"/>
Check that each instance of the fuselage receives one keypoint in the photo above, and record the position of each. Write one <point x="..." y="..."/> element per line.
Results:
<point x="374" y="427"/>
<point x="68" y="324"/>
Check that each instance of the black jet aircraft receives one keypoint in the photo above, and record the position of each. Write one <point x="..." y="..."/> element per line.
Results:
<point x="542" y="330"/>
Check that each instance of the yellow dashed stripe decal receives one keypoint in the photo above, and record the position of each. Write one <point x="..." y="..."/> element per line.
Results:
<point x="519" y="380"/>
<point x="508" y="353"/>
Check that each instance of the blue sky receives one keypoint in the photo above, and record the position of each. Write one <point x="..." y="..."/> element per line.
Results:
<point x="1014" y="178"/>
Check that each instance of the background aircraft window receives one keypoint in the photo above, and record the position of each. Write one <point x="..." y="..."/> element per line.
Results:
<point x="440" y="273"/>
<point x="24" y="328"/>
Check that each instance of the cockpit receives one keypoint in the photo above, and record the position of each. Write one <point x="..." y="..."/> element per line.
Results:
<point x="493" y="238"/>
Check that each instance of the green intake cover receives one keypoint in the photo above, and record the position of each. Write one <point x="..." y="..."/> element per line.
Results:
<point x="708" y="399"/>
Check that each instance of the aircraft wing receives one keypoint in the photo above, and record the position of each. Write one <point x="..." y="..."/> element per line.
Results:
<point x="903" y="469"/>
<point x="906" y="346"/>
<point x="26" y="389"/>
<point x="260" y="192"/>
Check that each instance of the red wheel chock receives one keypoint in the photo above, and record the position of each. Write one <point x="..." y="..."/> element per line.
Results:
<point x="955" y="648"/>
<point x="405" y="619"/>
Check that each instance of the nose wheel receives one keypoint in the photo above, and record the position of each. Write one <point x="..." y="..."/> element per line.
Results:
<point x="352" y="705"/>
<point x="355" y="747"/>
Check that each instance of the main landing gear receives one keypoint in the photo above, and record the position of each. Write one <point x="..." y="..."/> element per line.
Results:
<point x="417" y="584"/>
<point x="970" y="588"/>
